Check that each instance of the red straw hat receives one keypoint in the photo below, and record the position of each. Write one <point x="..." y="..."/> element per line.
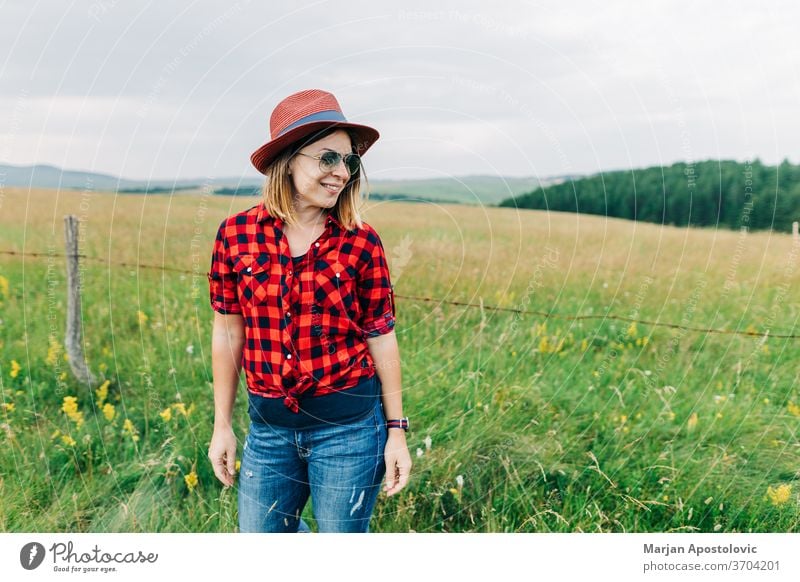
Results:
<point x="301" y="115"/>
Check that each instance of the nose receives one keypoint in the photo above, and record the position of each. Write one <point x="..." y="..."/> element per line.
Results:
<point x="340" y="169"/>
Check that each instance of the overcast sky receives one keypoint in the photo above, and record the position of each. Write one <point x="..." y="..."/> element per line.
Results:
<point x="185" y="89"/>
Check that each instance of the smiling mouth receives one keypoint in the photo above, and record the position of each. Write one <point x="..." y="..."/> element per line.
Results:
<point x="331" y="188"/>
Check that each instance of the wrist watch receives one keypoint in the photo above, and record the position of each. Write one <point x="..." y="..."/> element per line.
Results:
<point x="398" y="423"/>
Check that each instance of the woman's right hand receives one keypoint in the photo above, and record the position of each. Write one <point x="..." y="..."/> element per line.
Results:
<point x="222" y="452"/>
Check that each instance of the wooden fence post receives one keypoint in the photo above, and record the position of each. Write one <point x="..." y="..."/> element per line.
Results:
<point x="72" y="342"/>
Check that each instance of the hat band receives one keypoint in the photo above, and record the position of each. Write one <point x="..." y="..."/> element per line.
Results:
<point x="319" y="116"/>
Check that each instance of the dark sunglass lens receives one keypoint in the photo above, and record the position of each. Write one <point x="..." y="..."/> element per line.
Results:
<point x="353" y="163"/>
<point x="329" y="160"/>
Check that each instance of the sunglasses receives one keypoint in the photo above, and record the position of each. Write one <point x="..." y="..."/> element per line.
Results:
<point x="328" y="161"/>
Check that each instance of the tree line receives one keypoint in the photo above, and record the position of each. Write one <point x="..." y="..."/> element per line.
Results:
<point x="720" y="193"/>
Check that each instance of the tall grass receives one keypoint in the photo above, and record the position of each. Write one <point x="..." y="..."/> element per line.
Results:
<point x="521" y="423"/>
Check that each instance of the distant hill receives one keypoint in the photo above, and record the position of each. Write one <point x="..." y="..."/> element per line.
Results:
<point x="44" y="176"/>
<point x="488" y="190"/>
<point x="710" y="193"/>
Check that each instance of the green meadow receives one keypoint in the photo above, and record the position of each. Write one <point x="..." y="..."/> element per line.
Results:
<point x="521" y="423"/>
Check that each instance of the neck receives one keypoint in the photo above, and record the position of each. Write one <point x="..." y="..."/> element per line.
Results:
<point x="309" y="216"/>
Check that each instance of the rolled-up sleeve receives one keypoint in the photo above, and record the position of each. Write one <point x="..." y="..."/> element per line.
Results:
<point x="222" y="279"/>
<point x="375" y="293"/>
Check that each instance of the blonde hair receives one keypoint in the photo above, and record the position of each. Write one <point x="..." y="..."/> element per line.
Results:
<point x="277" y="190"/>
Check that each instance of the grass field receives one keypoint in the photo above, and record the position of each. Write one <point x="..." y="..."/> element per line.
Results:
<point x="521" y="424"/>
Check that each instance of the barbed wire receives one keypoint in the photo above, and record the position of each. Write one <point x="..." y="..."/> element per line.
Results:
<point x="546" y="314"/>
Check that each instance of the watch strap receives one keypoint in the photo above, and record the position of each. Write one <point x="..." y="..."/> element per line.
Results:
<point x="398" y="423"/>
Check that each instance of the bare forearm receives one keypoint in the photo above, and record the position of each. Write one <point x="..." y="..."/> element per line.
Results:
<point x="386" y="355"/>
<point x="226" y="355"/>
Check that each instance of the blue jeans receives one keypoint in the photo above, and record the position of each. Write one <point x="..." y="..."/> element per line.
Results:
<point x="340" y="466"/>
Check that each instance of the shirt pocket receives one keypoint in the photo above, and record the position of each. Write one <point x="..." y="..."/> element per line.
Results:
<point x="253" y="272"/>
<point x="335" y="281"/>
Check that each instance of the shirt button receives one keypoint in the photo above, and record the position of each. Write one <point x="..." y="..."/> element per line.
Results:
<point x="337" y="275"/>
<point x="316" y="244"/>
<point x="249" y="269"/>
<point x="290" y="273"/>
<point x="288" y="356"/>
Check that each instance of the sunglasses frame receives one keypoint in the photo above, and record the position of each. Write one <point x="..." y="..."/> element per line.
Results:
<point x="341" y="158"/>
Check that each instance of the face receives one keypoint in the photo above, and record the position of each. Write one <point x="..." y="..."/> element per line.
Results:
<point x="312" y="186"/>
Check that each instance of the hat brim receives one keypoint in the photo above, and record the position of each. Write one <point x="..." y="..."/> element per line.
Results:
<point x="263" y="156"/>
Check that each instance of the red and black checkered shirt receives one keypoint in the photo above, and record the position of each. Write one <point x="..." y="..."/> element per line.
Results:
<point x="305" y="332"/>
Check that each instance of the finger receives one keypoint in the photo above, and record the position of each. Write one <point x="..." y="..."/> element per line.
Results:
<point x="405" y="472"/>
<point x="391" y="473"/>
<point x="231" y="455"/>
<point x="219" y="471"/>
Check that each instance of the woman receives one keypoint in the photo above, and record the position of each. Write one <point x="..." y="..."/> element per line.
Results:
<point x="304" y="303"/>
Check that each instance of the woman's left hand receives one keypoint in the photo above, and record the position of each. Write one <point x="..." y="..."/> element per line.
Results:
<point x="398" y="462"/>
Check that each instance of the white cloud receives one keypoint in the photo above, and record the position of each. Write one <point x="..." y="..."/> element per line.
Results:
<point x="547" y="87"/>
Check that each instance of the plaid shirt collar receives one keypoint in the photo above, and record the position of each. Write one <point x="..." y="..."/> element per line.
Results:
<point x="264" y="215"/>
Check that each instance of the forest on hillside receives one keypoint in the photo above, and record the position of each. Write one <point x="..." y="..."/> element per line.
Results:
<point x="721" y="193"/>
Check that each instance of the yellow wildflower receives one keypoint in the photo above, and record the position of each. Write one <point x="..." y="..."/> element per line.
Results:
<point x="632" y="329"/>
<point x="53" y="352"/>
<point x="15" y="368"/>
<point x="102" y="367"/>
<point x="584" y="345"/>
<point x="70" y="408"/>
<point x="68" y="440"/>
<point x="108" y="411"/>
<point x="8" y="406"/>
<point x="3" y="286"/>
<point x="793" y="409"/>
<point x="779" y="495"/>
<point x="238" y="465"/>
<point x="166" y="414"/>
<point x="128" y="427"/>
<point x="180" y="407"/>
<point x="102" y="392"/>
<point x="692" y="422"/>
<point x="544" y="345"/>
<point x="142" y="316"/>
<point x="191" y="480"/>
<point x="70" y="405"/>
<point x="645" y="340"/>
<point x="62" y="376"/>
